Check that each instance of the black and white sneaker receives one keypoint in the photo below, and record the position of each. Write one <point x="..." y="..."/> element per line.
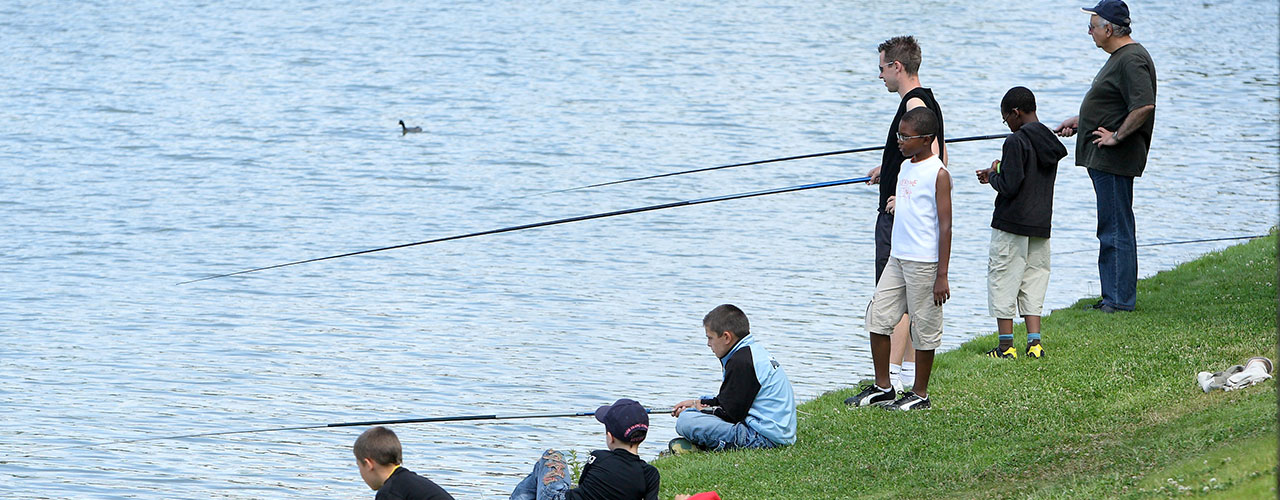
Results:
<point x="909" y="401"/>
<point x="872" y="396"/>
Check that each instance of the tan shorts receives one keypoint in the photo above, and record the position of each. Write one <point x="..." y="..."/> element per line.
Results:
<point x="1017" y="275"/>
<point x="907" y="287"/>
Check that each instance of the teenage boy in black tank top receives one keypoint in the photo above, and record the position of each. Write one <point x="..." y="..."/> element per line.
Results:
<point x="899" y="69"/>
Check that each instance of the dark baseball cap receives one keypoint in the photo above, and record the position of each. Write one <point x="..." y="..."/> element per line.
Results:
<point x="1114" y="11"/>
<point x="625" y="419"/>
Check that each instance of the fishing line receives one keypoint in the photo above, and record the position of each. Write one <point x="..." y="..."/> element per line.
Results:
<point x="758" y="162"/>
<point x="1183" y="242"/>
<point x="464" y="418"/>
<point x="1247" y="179"/>
<point x="649" y="208"/>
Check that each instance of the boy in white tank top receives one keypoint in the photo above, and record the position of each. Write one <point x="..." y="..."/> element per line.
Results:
<point x="915" y="280"/>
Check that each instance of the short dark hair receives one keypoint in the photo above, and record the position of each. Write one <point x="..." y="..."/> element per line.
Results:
<point x="727" y="318"/>
<point x="905" y="50"/>
<point x="379" y="444"/>
<point x="1018" y="98"/>
<point x="922" y="120"/>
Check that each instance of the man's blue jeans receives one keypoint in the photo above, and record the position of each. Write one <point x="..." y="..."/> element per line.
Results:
<point x="710" y="432"/>
<point x="550" y="479"/>
<point x="1117" y="240"/>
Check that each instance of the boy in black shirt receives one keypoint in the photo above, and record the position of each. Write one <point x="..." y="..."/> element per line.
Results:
<point x="1018" y="265"/>
<point x="378" y="457"/>
<point x="614" y="474"/>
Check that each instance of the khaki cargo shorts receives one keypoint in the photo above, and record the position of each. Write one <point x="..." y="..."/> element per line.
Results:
<point x="1017" y="275"/>
<point x="907" y="287"/>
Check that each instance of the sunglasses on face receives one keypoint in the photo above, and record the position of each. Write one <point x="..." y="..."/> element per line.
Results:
<point x="905" y="138"/>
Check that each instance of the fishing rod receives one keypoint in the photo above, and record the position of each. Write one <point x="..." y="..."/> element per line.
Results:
<point x="649" y="208"/>
<point x="1183" y="242"/>
<point x="758" y="162"/>
<point x="464" y="418"/>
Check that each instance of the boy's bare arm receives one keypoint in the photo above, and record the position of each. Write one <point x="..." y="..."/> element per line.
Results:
<point x="941" y="289"/>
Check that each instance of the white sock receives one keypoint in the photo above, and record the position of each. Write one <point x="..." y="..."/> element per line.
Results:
<point x="895" y="377"/>
<point x="908" y="373"/>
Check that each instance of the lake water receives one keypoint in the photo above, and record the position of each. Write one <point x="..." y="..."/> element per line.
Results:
<point x="148" y="143"/>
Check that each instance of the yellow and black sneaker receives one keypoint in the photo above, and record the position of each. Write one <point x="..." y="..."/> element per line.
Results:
<point x="1010" y="353"/>
<point x="1035" y="351"/>
<point x="680" y="446"/>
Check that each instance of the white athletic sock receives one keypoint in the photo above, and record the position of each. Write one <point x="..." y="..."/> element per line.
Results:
<point x="908" y="373"/>
<point x="895" y="376"/>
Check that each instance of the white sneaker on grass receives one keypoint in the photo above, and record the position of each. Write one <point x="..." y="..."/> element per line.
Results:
<point x="910" y="401"/>
<point x="871" y="396"/>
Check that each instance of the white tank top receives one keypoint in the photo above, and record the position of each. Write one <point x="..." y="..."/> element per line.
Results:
<point x="915" y="217"/>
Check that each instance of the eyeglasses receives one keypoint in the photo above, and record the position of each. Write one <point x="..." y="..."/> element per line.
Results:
<point x="1095" y="27"/>
<point x="905" y="138"/>
<point x="886" y="66"/>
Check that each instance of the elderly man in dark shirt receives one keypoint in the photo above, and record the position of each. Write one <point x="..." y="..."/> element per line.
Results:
<point x="1117" y="116"/>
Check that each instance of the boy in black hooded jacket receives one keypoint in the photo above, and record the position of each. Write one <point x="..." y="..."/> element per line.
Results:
<point x="1018" y="262"/>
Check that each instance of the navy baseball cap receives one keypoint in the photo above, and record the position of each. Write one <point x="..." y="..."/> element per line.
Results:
<point x="625" y="419"/>
<point x="1114" y="11"/>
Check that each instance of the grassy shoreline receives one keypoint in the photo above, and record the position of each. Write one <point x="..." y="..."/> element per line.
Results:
<point x="1111" y="411"/>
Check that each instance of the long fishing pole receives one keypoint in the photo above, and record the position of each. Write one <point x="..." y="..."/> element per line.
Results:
<point x="650" y="208"/>
<point x="1183" y="242"/>
<point x="464" y="418"/>
<point x="758" y="162"/>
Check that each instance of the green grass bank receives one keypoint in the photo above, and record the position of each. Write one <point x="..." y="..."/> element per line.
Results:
<point x="1111" y="411"/>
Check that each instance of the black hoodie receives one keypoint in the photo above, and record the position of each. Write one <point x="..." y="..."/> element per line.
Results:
<point x="1024" y="182"/>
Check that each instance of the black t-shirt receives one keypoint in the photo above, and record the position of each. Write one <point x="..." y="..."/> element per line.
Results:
<point x="616" y="475"/>
<point x="891" y="162"/>
<point x="1125" y="83"/>
<point x="404" y="484"/>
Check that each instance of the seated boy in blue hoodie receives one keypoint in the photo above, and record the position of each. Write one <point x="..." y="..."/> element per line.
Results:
<point x="755" y="407"/>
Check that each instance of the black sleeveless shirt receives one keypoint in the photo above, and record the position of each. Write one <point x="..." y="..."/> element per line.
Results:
<point x="891" y="163"/>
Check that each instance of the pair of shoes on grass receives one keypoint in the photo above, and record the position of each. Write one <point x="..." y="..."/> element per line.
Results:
<point x="1033" y="351"/>
<point x="875" y="396"/>
<point x="1101" y="307"/>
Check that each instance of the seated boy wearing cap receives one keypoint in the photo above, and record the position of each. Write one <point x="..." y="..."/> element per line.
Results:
<point x="616" y="473"/>
<point x="378" y="457"/>
<point x="756" y="406"/>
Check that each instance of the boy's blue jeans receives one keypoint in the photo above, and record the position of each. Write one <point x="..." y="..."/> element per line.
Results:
<point x="550" y="479"/>
<point x="1117" y="240"/>
<point x="710" y="432"/>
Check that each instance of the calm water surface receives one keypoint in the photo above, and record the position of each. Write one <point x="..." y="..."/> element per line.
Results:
<point x="149" y="143"/>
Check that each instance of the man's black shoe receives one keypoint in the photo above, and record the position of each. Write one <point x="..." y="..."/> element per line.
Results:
<point x="872" y="396"/>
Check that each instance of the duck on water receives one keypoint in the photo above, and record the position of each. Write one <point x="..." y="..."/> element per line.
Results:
<point x="409" y="130"/>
